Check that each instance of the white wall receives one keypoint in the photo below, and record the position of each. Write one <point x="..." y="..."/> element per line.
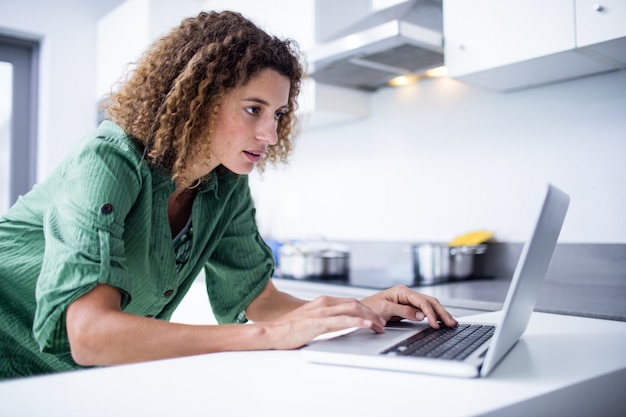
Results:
<point x="67" y="90"/>
<point x="441" y="158"/>
<point x="126" y="31"/>
<point x="433" y="160"/>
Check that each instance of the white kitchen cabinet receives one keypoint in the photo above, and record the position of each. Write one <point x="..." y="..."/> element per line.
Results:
<point x="507" y="45"/>
<point x="601" y="27"/>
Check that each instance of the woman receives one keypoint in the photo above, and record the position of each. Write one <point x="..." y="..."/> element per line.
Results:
<point x="94" y="260"/>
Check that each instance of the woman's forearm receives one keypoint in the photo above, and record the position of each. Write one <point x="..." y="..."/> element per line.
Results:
<point x="101" y="334"/>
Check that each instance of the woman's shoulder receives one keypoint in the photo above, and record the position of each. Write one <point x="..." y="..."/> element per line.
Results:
<point x="111" y="136"/>
<point x="106" y="153"/>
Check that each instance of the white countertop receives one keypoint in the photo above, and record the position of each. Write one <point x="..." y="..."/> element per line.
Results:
<point x="538" y="377"/>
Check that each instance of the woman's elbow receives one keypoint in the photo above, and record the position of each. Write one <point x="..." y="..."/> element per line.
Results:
<point x="84" y="346"/>
<point x="86" y="324"/>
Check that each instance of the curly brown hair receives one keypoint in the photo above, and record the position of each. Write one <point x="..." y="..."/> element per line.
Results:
<point x="170" y="100"/>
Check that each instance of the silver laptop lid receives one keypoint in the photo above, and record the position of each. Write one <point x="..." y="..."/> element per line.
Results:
<point x="531" y="270"/>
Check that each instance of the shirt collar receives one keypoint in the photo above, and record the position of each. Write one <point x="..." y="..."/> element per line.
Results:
<point x="209" y="183"/>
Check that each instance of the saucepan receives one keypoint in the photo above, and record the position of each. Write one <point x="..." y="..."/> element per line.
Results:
<point x="313" y="259"/>
<point x="440" y="262"/>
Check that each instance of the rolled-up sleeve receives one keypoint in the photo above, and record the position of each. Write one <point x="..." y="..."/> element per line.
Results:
<point x="83" y="228"/>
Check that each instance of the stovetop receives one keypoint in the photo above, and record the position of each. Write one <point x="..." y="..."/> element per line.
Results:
<point x="379" y="279"/>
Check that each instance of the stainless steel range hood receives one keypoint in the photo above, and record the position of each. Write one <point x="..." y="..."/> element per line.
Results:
<point x="405" y="39"/>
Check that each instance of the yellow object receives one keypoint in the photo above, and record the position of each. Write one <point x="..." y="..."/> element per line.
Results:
<point x="471" y="238"/>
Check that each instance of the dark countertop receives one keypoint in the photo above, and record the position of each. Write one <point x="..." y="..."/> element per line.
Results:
<point x="586" y="280"/>
<point x="587" y="300"/>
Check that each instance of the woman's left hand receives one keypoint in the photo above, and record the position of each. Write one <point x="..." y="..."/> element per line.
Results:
<point x="400" y="302"/>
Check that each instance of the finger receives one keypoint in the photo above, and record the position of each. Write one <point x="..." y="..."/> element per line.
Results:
<point x="362" y="312"/>
<point x="368" y="324"/>
<point x="337" y="323"/>
<point x="446" y="317"/>
<point x="442" y="314"/>
<point x="404" y="311"/>
<point x="430" y="314"/>
<point x="349" y="307"/>
<point x="433" y="310"/>
<point x="438" y="313"/>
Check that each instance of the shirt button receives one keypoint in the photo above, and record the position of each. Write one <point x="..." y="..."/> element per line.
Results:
<point x="168" y="293"/>
<point x="106" y="208"/>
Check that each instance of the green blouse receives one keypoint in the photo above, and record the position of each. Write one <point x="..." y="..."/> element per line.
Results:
<point x="101" y="217"/>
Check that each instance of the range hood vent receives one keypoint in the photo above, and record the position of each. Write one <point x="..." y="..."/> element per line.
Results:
<point x="405" y="39"/>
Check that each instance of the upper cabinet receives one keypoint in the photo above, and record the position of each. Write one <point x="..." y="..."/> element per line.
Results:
<point x="600" y="21"/>
<point x="509" y="45"/>
<point x="601" y="27"/>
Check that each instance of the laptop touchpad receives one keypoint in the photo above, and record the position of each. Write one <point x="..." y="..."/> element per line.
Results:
<point x="366" y="341"/>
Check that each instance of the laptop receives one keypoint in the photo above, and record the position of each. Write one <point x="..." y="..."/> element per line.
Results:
<point x="401" y="347"/>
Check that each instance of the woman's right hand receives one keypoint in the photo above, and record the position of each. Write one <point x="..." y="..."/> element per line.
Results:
<point x="323" y="315"/>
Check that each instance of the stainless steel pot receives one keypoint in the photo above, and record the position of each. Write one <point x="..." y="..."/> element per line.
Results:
<point x="313" y="259"/>
<point x="438" y="262"/>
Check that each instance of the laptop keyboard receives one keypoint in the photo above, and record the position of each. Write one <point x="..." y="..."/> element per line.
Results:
<point x="446" y="343"/>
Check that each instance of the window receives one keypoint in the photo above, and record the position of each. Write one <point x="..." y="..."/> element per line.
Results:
<point x="18" y="117"/>
<point x="6" y="86"/>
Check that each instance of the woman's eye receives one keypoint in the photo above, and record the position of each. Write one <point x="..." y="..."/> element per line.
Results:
<point x="253" y="110"/>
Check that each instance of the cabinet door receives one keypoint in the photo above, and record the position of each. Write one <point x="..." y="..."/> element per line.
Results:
<point x="484" y="34"/>
<point x="599" y="21"/>
<point x="601" y="28"/>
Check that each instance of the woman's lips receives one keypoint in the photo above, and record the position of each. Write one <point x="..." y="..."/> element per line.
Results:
<point x="253" y="156"/>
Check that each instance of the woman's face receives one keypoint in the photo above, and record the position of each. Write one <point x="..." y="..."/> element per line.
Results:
<point x="246" y="124"/>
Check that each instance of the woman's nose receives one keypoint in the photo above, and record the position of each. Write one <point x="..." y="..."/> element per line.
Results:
<point x="267" y="131"/>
